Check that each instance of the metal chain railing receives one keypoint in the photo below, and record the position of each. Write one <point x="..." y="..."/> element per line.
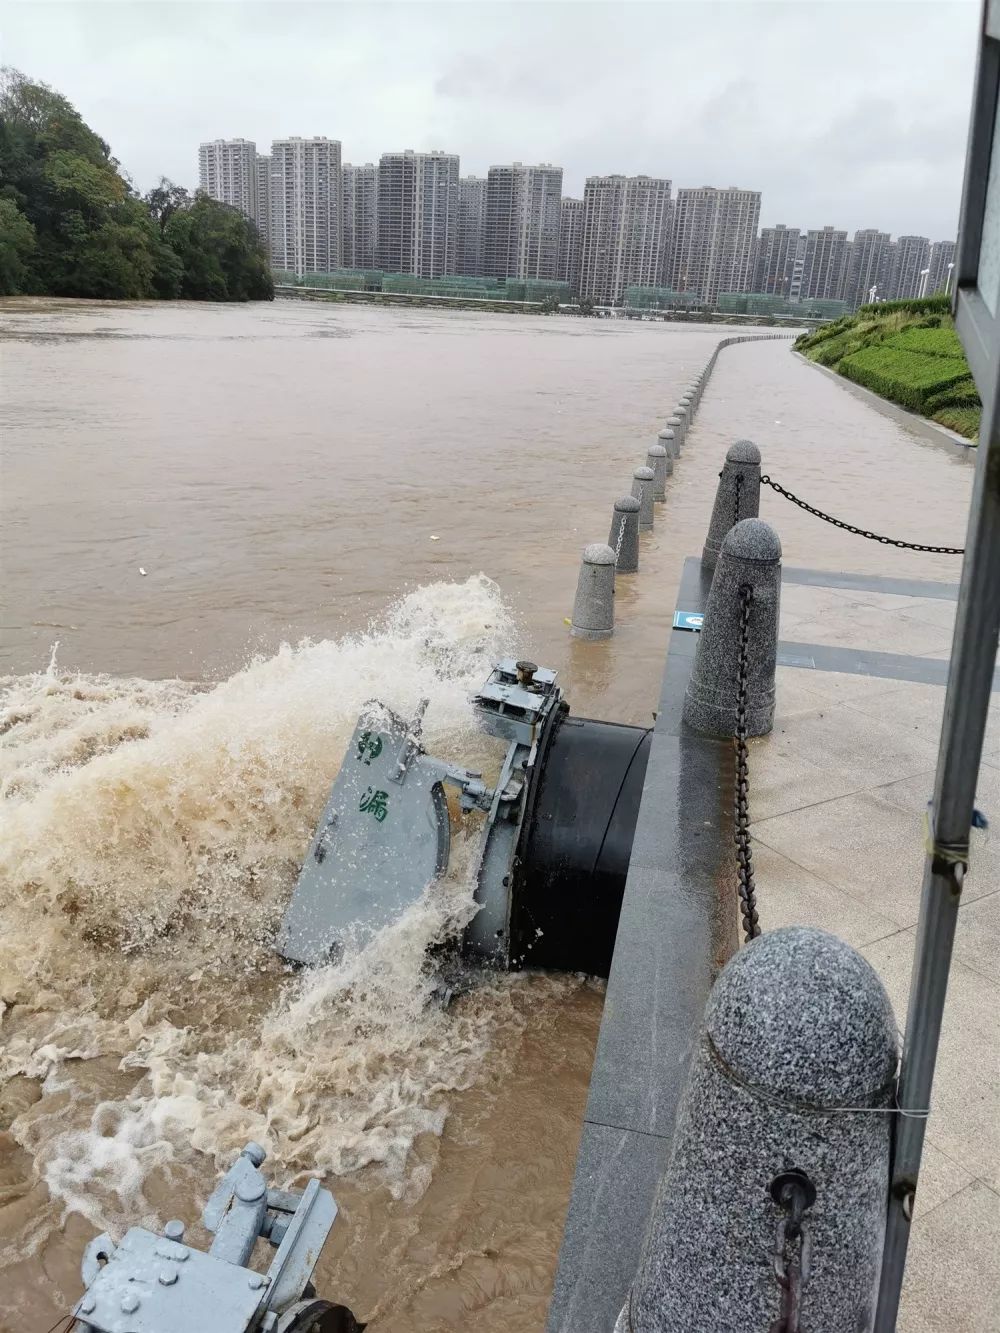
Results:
<point x="621" y="538"/>
<point x="744" y="855"/>
<point x="860" y="532"/>
<point x="794" y="1193"/>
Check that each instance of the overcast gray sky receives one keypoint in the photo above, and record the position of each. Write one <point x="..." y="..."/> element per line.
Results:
<point x="843" y="112"/>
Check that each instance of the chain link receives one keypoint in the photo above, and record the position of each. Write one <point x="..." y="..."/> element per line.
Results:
<point x="860" y="532"/>
<point x="794" y="1193"/>
<point x="621" y="538"/>
<point x="744" y="854"/>
<point x="736" y="497"/>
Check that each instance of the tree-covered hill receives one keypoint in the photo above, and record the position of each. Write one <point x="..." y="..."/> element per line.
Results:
<point x="72" y="225"/>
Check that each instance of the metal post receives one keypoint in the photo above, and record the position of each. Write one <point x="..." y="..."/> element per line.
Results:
<point x="967" y="699"/>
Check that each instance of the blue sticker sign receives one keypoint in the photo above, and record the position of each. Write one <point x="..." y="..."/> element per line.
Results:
<point x="690" y="620"/>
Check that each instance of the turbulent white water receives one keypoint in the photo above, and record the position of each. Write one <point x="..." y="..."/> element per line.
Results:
<point x="151" y="832"/>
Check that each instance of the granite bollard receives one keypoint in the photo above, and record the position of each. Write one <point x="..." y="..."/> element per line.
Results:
<point x="794" y="1069"/>
<point x="676" y="424"/>
<point x="656" y="458"/>
<point x="594" y="608"/>
<point x="737" y="496"/>
<point x="624" y="536"/>
<point x="668" y="439"/>
<point x="750" y="557"/>
<point x="642" y="489"/>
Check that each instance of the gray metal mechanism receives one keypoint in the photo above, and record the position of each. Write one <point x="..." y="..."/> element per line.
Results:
<point x="518" y="704"/>
<point x="384" y="835"/>
<point x="157" y="1284"/>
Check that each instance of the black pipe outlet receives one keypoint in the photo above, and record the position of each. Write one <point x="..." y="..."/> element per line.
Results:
<point x="576" y="842"/>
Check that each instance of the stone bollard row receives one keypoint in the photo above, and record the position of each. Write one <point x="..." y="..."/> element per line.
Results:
<point x="665" y="440"/>
<point x="642" y="489"/>
<point x="624" y="535"/>
<point x="594" y="608"/>
<point x="737" y="497"/>
<point x="793" y="1071"/>
<point x="750" y="559"/>
<point x="656" y="458"/>
<point x="593" y="612"/>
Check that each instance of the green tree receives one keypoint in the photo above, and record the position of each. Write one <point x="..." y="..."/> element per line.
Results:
<point x="220" y="250"/>
<point x="586" y="305"/>
<point x="17" y="242"/>
<point x="71" y="225"/>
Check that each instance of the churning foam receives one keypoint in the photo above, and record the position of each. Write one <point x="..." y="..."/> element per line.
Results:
<point x="151" y="833"/>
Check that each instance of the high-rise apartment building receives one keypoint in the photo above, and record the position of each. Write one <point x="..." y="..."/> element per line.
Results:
<point x="713" y="241"/>
<point x="471" y="220"/>
<point x="227" y="170"/>
<point x="417" y="213"/>
<point x="360" y="215"/>
<point x="774" y="260"/>
<point x="865" y="266"/>
<point x="626" y="235"/>
<point x="886" y="268"/>
<point x="941" y="263"/>
<point x="523" y="220"/>
<point x="798" y="264"/>
<point x="264" y="200"/>
<point x="307" y="191"/>
<point x="912" y="257"/>
<point x="825" y="263"/>
<point x="571" y="242"/>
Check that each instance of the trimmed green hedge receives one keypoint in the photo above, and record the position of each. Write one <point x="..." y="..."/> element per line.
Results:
<point x="962" y="394"/>
<point x="908" y="378"/>
<point x="929" y="341"/>
<point x="924" y="305"/>
<point x="965" y="420"/>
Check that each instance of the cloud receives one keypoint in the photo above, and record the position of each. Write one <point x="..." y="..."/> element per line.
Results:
<point x="850" y="112"/>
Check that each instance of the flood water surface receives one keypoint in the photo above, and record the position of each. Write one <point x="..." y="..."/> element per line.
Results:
<point x="239" y="525"/>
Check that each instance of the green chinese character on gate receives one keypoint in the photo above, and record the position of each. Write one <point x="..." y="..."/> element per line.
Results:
<point x="369" y="746"/>
<point x="375" y="802"/>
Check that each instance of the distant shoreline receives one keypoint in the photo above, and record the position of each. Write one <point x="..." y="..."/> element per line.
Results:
<point x="362" y="297"/>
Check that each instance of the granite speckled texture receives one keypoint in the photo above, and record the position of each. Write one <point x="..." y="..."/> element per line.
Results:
<point x="737" y="497"/>
<point x="627" y="512"/>
<point x="750" y="555"/>
<point x="669" y="441"/>
<point x="642" y="488"/>
<point x="676" y="424"/>
<point x="594" y="608"/>
<point x="797" y="1027"/>
<point x="657" y="459"/>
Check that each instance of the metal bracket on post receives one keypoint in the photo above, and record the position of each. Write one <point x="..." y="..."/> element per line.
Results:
<point x="160" y="1285"/>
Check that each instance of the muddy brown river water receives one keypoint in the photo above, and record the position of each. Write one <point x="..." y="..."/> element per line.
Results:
<point x="238" y="524"/>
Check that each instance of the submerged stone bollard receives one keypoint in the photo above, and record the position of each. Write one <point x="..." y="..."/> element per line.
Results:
<point x="676" y="424"/>
<point x="594" y="608"/>
<point x="737" y="497"/>
<point x="750" y="557"/>
<point x="624" y="535"/>
<point x="657" y="459"/>
<point x="668" y="439"/>
<point x="642" y="489"/>
<point x="794" y="1066"/>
